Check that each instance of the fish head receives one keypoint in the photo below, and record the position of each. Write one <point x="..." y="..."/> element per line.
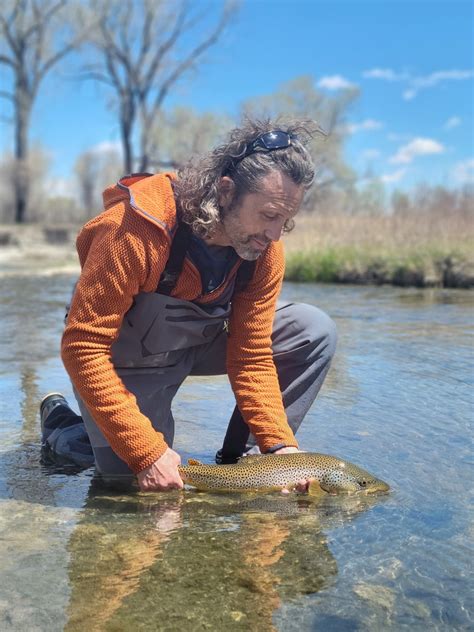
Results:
<point x="347" y="477"/>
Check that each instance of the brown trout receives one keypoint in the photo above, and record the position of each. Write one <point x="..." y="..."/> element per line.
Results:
<point x="269" y="472"/>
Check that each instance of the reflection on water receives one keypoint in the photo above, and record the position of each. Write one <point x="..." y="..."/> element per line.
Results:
<point x="77" y="556"/>
<point x="193" y="562"/>
<point x="198" y="560"/>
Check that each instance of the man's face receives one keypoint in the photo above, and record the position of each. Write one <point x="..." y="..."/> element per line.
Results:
<point x="258" y="218"/>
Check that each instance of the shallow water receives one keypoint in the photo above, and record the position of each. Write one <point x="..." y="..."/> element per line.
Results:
<point x="398" y="401"/>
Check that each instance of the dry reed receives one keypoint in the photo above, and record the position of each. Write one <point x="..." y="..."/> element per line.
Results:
<point x="382" y="234"/>
<point x="417" y="249"/>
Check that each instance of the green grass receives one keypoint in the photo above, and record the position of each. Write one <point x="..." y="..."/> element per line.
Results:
<point x="427" y="267"/>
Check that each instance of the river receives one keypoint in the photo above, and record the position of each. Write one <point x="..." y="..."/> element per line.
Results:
<point x="398" y="401"/>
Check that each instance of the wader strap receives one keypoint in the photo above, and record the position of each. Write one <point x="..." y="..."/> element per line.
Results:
<point x="244" y="274"/>
<point x="174" y="265"/>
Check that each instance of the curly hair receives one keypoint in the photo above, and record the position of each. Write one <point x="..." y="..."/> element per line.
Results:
<point x="197" y="186"/>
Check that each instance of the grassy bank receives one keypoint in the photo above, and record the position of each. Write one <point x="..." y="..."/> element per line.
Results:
<point x="418" y="250"/>
<point x="421" y="251"/>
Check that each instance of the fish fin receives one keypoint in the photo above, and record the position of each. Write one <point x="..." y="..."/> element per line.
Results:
<point x="315" y="488"/>
<point x="194" y="462"/>
<point x="250" y="457"/>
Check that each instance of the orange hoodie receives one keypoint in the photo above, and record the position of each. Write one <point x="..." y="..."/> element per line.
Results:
<point x="122" y="252"/>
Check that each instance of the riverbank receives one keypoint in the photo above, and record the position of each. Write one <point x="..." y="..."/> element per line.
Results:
<point x="29" y="247"/>
<point x="417" y="251"/>
<point x="412" y="269"/>
<point x="413" y="251"/>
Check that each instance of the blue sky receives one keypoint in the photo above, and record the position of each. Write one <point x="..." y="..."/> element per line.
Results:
<point x="411" y="60"/>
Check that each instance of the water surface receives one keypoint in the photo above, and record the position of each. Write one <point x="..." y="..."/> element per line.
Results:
<point x="398" y="401"/>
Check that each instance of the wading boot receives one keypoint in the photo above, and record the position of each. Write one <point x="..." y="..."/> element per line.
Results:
<point x="64" y="440"/>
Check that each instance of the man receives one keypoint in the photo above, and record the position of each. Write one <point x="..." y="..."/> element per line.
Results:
<point x="180" y="276"/>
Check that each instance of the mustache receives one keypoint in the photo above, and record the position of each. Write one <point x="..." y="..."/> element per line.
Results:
<point x="261" y="238"/>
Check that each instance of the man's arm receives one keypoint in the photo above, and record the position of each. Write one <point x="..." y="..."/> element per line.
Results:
<point x="115" y="269"/>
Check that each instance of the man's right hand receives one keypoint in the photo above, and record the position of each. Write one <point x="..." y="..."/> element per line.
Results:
<point x="162" y="475"/>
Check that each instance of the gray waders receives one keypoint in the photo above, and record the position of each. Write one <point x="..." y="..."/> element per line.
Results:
<point x="163" y="340"/>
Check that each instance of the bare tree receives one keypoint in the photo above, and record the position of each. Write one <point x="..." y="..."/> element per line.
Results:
<point x="37" y="164"/>
<point x="177" y="135"/>
<point x="96" y="169"/>
<point x="34" y="38"/>
<point x="86" y="168"/>
<point x="146" y="47"/>
<point x="299" y="98"/>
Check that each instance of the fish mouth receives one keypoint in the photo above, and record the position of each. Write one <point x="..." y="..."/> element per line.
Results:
<point x="378" y="488"/>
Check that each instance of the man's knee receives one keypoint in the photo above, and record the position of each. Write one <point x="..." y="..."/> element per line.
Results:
<point x="318" y="326"/>
<point x="309" y="325"/>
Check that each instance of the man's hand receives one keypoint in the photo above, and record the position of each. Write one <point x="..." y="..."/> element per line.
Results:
<point x="301" y="486"/>
<point x="287" y="450"/>
<point x="162" y="475"/>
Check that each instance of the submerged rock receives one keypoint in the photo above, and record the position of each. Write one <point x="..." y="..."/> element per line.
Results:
<point x="377" y="595"/>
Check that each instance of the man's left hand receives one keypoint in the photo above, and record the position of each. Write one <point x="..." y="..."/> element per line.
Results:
<point x="302" y="485"/>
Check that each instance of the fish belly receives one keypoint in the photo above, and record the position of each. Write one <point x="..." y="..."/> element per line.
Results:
<point x="241" y="479"/>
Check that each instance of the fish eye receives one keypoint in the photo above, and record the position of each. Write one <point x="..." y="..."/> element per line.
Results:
<point x="363" y="483"/>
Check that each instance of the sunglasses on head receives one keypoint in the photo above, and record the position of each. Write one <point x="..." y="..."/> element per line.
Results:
<point x="276" y="139"/>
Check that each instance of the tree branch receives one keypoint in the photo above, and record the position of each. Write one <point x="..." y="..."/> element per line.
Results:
<point x="148" y="20"/>
<point x="95" y="76"/>
<point x="111" y="50"/>
<point x="42" y="18"/>
<point x="6" y="24"/>
<point x="55" y="58"/>
<point x="187" y="63"/>
<point x="7" y="95"/>
<point x="164" y="48"/>
<point x="6" y="60"/>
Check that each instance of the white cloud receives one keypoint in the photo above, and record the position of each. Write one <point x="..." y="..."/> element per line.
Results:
<point x="417" y="147"/>
<point x="370" y="154"/>
<point x="107" y="146"/>
<point x="409" y="94"/>
<point x="463" y="172"/>
<point x="366" y="126"/>
<point x="452" y="122"/>
<point x="442" y="75"/>
<point x="384" y="73"/>
<point x="415" y="84"/>
<point x="335" y="82"/>
<point x="395" y="176"/>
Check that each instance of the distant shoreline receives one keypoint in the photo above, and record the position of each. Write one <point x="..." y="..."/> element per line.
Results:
<point x="448" y="270"/>
<point x="412" y="250"/>
<point x="33" y="247"/>
<point x="317" y="252"/>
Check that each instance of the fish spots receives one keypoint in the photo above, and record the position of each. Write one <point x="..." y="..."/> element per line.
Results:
<point x="278" y="471"/>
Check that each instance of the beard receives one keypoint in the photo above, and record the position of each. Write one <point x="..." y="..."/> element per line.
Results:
<point x="240" y="240"/>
